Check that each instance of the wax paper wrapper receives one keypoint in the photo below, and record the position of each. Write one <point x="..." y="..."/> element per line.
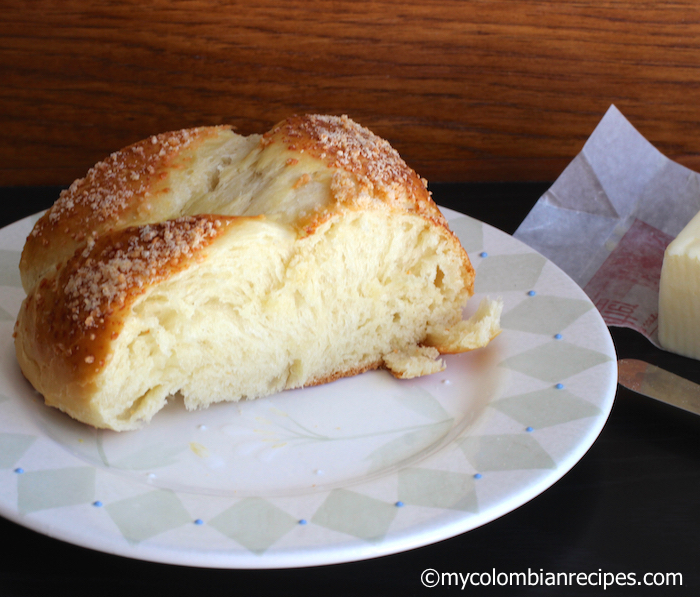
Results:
<point x="608" y="218"/>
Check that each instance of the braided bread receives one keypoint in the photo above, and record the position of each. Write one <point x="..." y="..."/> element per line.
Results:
<point x="226" y="267"/>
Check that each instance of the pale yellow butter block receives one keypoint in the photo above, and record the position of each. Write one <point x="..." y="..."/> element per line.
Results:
<point x="679" y="293"/>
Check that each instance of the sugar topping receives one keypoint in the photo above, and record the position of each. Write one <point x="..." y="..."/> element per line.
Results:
<point x="123" y="264"/>
<point x="344" y="144"/>
<point x="110" y="186"/>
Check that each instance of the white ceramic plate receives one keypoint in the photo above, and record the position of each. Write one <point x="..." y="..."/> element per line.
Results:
<point x="358" y="468"/>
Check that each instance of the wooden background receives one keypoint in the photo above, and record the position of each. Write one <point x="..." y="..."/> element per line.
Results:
<point x="470" y="90"/>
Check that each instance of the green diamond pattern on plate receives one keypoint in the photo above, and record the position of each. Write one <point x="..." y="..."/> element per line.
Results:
<point x="505" y="452"/>
<point x="545" y="408"/>
<point x="13" y="446"/>
<point x="502" y="273"/>
<point x="545" y="314"/>
<point x="147" y="515"/>
<point x="408" y="444"/>
<point x="437" y="489"/>
<point x="470" y="233"/>
<point x="9" y="270"/>
<point x="421" y="401"/>
<point x="56" y="488"/>
<point x="355" y="514"/>
<point x="555" y="361"/>
<point x="151" y="457"/>
<point x="254" y="523"/>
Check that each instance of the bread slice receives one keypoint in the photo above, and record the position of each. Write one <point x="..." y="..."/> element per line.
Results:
<point x="226" y="267"/>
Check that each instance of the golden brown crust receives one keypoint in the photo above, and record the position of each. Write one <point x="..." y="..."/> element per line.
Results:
<point x="341" y="374"/>
<point x="342" y="144"/>
<point x="115" y="193"/>
<point x="371" y="162"/>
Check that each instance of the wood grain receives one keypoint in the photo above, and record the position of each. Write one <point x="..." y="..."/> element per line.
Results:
<point x="477" y="90"/>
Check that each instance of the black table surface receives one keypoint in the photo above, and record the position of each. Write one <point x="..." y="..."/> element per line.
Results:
<point x="630" y="506"/>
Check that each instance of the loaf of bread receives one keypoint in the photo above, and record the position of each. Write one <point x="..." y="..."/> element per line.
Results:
<point x="226" y="267"/>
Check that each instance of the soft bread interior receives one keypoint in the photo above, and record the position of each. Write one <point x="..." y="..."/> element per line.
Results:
<point x="299" y="313"/>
